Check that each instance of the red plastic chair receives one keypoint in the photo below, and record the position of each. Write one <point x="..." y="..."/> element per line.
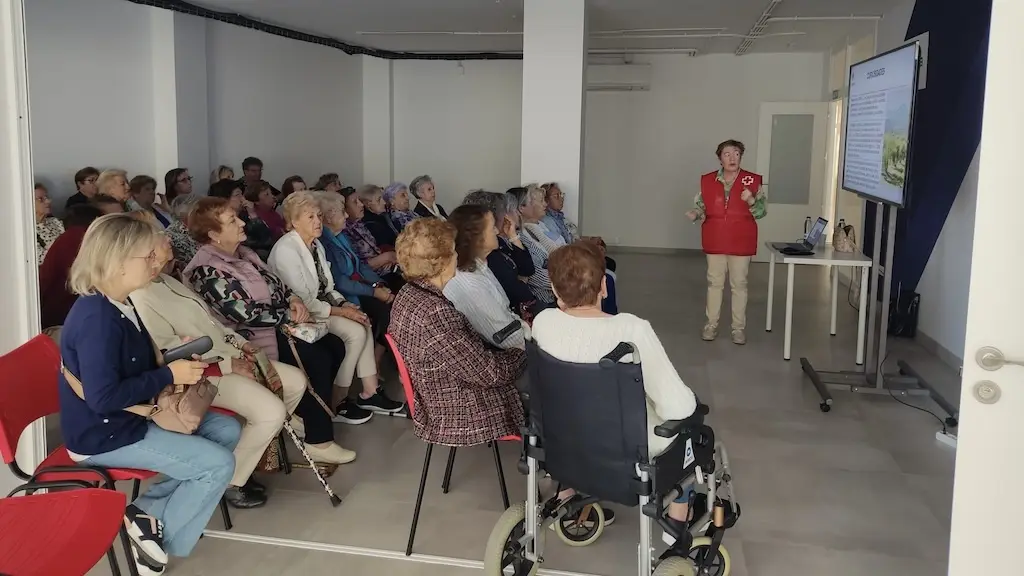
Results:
<point x="403" y="375"/>
<point x="60" y="533"/>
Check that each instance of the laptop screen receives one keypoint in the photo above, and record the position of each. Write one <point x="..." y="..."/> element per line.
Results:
<point x="815" y="234"/>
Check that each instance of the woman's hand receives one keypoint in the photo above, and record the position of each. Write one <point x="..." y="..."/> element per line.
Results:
<point x="249" y="207"/>
<point x="243" y="367"/>
<point x="692" y="215"/>
<point x="187" y="372"/>
<point x="382" y="293"/>
<point x="297" y="312"/>
<point x="747" y="196"/>
<point x="354" y="314"/>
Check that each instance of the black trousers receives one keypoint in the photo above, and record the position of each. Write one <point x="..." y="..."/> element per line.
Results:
<point x="321" y="359"/>
<point x="380" y="317"/>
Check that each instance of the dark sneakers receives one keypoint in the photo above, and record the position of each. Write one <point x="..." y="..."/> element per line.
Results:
<point x="348" y="412"/>
<point x="147" y="535"/>
<point x="379" y="403"/>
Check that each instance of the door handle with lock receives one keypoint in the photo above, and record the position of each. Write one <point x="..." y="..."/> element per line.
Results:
<point x="991" y="358"/>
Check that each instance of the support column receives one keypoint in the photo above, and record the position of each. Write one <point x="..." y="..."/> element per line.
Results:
<point x="378" y="129"/>
<point x="19" y="285"/>
<point x="554" y="91"/>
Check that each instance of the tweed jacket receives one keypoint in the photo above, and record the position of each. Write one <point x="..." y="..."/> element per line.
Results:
<point x="464" y="391"/>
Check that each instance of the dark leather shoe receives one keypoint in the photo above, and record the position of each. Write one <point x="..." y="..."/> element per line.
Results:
<point x="253" y="485"/>
<point x="244" y="498"/>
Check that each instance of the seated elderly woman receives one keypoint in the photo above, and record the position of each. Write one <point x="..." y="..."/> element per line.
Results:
<point x="422" y="187"/>
<point x="258" y="236"/>
<point x="511" y="263"/>
<point x="143" y="189"/>
<point x="114" y="183"/>
<point x="563" y="230"/>
<point x="222" y="172"/>
<point x="183" y="246"/>
<point x="376" y="218"/>
<point x="55" y="300"/>
<point x="474" y="290"/>
<point x="397" y="203"/>
<point x="173" y="314"/>
<point x="291" y="184"/>
<point x="251" y="300"/>
<point x="300" y="260"/>
<point x="177" y="182"/>
<point x="261" y="196"/>
<point x="527" y="206"/>
<point x="329" y="182"/>
<point x="109" y="366"/>
<point x="465" y="390"/>
<point x="383" y="262"/>
<point x="48" y="228"/>
<point x="578" y="331"/>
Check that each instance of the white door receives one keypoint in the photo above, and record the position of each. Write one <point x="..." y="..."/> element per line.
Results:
<point x="791" y="156"/>
<point x="988" y="499"/>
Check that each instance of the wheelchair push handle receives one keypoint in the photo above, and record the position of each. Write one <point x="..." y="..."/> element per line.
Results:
<point x="618" y="353"/>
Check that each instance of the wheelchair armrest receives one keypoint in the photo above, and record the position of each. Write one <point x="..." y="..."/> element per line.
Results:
<point x="612" y="358"/>
<point x="672" y="428"/>
<point x="506" y="332"/>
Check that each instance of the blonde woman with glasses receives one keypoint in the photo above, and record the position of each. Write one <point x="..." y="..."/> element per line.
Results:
<point x="106" y="347"/>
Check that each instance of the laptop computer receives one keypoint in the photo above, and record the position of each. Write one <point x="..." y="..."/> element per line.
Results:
<point x="805" y="246"/>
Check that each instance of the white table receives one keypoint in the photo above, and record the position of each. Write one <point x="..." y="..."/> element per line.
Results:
<point x="823" y="256"/>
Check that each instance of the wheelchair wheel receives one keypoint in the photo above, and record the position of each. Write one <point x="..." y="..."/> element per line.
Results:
<point x="721" y="565"/>
<point x="504" y="556"/>
<point x="675" y="566"/>
<point x="578" y="531"/>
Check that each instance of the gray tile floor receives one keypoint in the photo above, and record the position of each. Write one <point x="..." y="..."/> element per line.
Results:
<point x="864" y="489"/>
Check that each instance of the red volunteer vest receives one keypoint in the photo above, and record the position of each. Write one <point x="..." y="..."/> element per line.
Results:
<point x="729" y="227"/>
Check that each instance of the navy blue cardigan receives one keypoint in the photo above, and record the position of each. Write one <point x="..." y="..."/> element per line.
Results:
<point x="117" y="367"/>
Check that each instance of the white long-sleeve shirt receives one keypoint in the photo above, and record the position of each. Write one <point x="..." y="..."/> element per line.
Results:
<point x="587" y="340"/>
<point x="480" y="298"/>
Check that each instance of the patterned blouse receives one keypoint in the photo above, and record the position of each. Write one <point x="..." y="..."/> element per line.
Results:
<point x="226" y="295"/>
<point x="47" y="232"/>
<point x="539" y="282"/>
<point x="465" y="391"/>
<point x="364" y="243"/>
<point x="183" y="245"/>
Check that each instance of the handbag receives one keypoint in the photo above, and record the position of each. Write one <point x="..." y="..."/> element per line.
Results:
<point x="308" y="332"/>
<point x="844" y="239"/>
<point x="177" y="408"/>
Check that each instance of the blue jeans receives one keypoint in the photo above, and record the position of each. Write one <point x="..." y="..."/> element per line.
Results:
<point x="195" y="471"/>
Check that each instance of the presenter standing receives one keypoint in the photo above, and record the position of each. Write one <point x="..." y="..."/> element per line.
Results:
<point x="728" y="206"/>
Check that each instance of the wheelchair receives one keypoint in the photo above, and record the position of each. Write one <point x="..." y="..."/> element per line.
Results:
<point x="586" y="427"/>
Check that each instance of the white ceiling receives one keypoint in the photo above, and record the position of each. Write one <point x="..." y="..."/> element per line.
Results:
<point x="495" y="25"/>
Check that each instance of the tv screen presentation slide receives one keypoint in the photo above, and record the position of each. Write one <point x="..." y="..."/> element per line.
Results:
<point x="881" y="103"/>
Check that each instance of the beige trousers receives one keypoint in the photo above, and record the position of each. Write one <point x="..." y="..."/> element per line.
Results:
<point x="736" y="267"/>
<point x="263" y="412"/>
<point x="359" y="360"/>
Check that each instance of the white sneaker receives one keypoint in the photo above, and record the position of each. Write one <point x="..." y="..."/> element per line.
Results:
<point x="709" y="333"/>
<point x="332" y="454"/>
<point x="145" y="568"/>
<point x="739" y="337"/>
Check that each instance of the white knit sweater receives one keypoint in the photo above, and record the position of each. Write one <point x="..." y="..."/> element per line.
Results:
<point x="586" y="340"/>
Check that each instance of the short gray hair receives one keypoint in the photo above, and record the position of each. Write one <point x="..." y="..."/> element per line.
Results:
<point x="419" y="182"/>
<point x="330" y="204"/>
<point x="107" y="245"/>
<point x="182" y="205"/>
<point x="499" y="204"/>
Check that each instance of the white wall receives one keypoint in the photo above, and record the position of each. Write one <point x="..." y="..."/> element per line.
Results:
<point x="459" y="122"/>
<point x="296" y="106"/>
<point x="91" y="88"/>
<point x="645" y="151"/>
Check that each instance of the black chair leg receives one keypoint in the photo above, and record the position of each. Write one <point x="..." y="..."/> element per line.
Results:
<point x="501" y="475"/>
<point x="226" y="514"/>
<point x="136" y="485"/>
<point x="419" y="500"/>
<point x="115" y="569"/>
<point x="283" y="450"/>
<point x="448" y="471"/>
<point x="129" y="558"/>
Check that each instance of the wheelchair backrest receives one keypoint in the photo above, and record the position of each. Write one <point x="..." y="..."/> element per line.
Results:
<point x="592" y="423"/>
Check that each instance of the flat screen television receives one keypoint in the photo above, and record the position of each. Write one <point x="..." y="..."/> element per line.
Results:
<point x="879" y="120"/>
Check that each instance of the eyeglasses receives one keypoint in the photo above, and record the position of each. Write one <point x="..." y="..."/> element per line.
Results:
<point x="149" y="258"/>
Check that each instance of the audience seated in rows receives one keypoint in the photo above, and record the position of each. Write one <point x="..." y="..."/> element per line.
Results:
<point x="55" y="300"/>
<point x="48" y="227"/>
<point x="252" y="172"/>
<point x="113" y="182"/>
<point x="257" y="234"/>
<point x="396" y="202"/>
<point x="563" y="230"/>
<point x="219" y="173"/>
<point x="251" y="300"/>
<point x="530" y="209"/>
<point x="110" y="352"/>
<point x="264" y="204"/>
<point x="422" y="187"/>
<point x="474" y="290"/>
<point x="383" y="262"/>
<point x="465" y="391"/>
<point x="579" y="331"/>
<point x="183" y="245"/>
<point x="85" y="186"/>
<point x="177" y="182"/>
<point x="291" y="184"/>
<point x="143" y="192"/>
<point x="300" y="261"/>
<point x="173" y="314"/>
<point x="376" y="218"/>
<point x="329" y="182"/>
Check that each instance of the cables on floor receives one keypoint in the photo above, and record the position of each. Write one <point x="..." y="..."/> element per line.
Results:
<point x="881" y="374"/>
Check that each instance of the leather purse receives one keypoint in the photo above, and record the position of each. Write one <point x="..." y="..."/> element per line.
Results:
<point x="177" y="408"/>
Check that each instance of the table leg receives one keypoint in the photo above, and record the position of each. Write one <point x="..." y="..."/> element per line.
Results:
<point x="835" y="297"/>
<point x="862" y="314"/>
<point x="771" y="291"/>
<point x="790" y="268"/>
